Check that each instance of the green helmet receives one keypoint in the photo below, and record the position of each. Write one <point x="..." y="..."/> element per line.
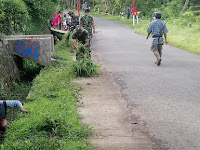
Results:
<point x="78" y="29"/>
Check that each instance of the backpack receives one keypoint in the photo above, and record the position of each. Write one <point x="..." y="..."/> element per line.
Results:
<point x="3" y="109"/>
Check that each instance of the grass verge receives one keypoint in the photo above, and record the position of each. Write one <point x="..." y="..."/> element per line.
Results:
<point x="52" y="121"/>
<point x="179" y="35"/>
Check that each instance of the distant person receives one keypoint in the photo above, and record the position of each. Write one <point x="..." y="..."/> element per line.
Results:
<point x="128" y="12"/>
<point x="55" y="20"/>
<point x="157" y="29"/>
<point x="3" y="108"/>
<point x="60" y="20"/>
<point x="82" y="6"/>
<point x="65" y="22"/>
<point x="85" y="6"/>
<point x="74" y="20"/>
<point x="87" y="22"/>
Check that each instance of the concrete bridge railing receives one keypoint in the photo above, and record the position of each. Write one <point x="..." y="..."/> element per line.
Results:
<point x="37" y="48"/>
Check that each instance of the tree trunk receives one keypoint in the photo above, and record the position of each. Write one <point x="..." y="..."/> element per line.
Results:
<point x="185" y="7"/>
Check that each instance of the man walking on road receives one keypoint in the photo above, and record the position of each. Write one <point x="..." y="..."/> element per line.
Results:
<point x="157" y="28"/>
<point x="87" y="22"/>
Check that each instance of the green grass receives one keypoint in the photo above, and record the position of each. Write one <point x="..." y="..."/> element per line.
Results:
<point x="52" y="122"/>
<point x="179" y="35"/>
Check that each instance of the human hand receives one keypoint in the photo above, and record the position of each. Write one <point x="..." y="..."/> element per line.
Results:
<point x="93" y="30"/>
<point x="24" y="111"/>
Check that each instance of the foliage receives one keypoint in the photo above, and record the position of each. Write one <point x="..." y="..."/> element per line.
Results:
<point x="26" y="16"/>
<point x="52" y="121"/>
<point x="14" y="16"/>
<point x="84" y="67"/>
<point x="179" y="35"/>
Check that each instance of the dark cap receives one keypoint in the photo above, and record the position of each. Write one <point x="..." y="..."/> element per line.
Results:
<point x="87" y="10"/>
<point x="70" y="12"/>
<point x="158" y="15"/>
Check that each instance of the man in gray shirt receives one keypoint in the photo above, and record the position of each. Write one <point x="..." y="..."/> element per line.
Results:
<point x="3" y="106"/>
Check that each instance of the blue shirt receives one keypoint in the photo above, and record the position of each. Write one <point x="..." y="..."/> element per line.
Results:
<point x="85" y="6"/>
<point x="155" y="29"/>
<point x="128" y="10"/>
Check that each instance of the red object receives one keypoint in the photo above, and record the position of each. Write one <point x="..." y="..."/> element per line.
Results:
<point x="59" y="18"/>
<point x="133" y="3"/>
<point x="134" y="11"/>
<point x="78" y="5"/>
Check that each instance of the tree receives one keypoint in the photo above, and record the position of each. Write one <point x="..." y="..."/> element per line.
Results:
<point x="186" y="6"/>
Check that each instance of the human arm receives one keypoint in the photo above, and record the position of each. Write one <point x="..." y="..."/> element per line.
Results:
<point x="165" y="36"/>
<point x="149" y="30"/>
<point x="81" y="23"/>
<point x="15" y="103"/>
<point x="75" y="44"/>
<point x="93" y="26"/>
<point x="148" y="36"/>
<point x="86" y="43"/>
<point x="165" y="31"/>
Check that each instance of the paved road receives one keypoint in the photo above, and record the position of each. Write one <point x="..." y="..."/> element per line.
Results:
<point x="166" y="98"/>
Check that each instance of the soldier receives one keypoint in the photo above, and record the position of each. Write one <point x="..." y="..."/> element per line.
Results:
<point x="81" y="35"/>
<point x="87" y="22"/>
<point x="74" y="20"/>
<point x="157" y="28"/>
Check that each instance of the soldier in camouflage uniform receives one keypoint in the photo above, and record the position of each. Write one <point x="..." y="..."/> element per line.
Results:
<point x="74" y="20"/>
<point x="87" y="22"/>
<point x="82" y="36"/>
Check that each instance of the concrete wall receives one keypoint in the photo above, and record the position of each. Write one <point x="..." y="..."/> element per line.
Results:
<point x="33" y="37"/>
<point x="8" y="68"/>
<point x="34" y="49"/>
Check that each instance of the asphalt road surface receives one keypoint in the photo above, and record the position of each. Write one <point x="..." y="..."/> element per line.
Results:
<point x="166" y="98"/>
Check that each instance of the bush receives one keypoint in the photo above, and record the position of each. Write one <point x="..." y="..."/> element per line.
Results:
<point x="14" y="16"/>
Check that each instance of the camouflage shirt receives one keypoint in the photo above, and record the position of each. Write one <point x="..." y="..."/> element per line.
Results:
<point x="75" y="21"/>
<point x="87" y="22"/>
<point x="84" y="36"/>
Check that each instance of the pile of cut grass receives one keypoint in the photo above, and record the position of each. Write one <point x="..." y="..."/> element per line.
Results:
<point x="52" y="121"/>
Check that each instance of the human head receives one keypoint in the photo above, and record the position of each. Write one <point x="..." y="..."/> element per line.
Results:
<point x="87" y="11"/>
<point x="71" y="13"/>
<point x="59" y="12"/>
<point x="3" y="125"/>
<point x="78" y="30"/>
<point x="158" y="15"/>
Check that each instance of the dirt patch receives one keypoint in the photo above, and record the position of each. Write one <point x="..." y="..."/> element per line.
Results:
<point x="105" y="110"/>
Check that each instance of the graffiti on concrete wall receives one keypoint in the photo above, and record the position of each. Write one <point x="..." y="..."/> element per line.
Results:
<point x="27" y="49"/>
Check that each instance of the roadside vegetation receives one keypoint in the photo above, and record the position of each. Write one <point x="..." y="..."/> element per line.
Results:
<point x="52" y="121"/>
<point x="179" y="35"/>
